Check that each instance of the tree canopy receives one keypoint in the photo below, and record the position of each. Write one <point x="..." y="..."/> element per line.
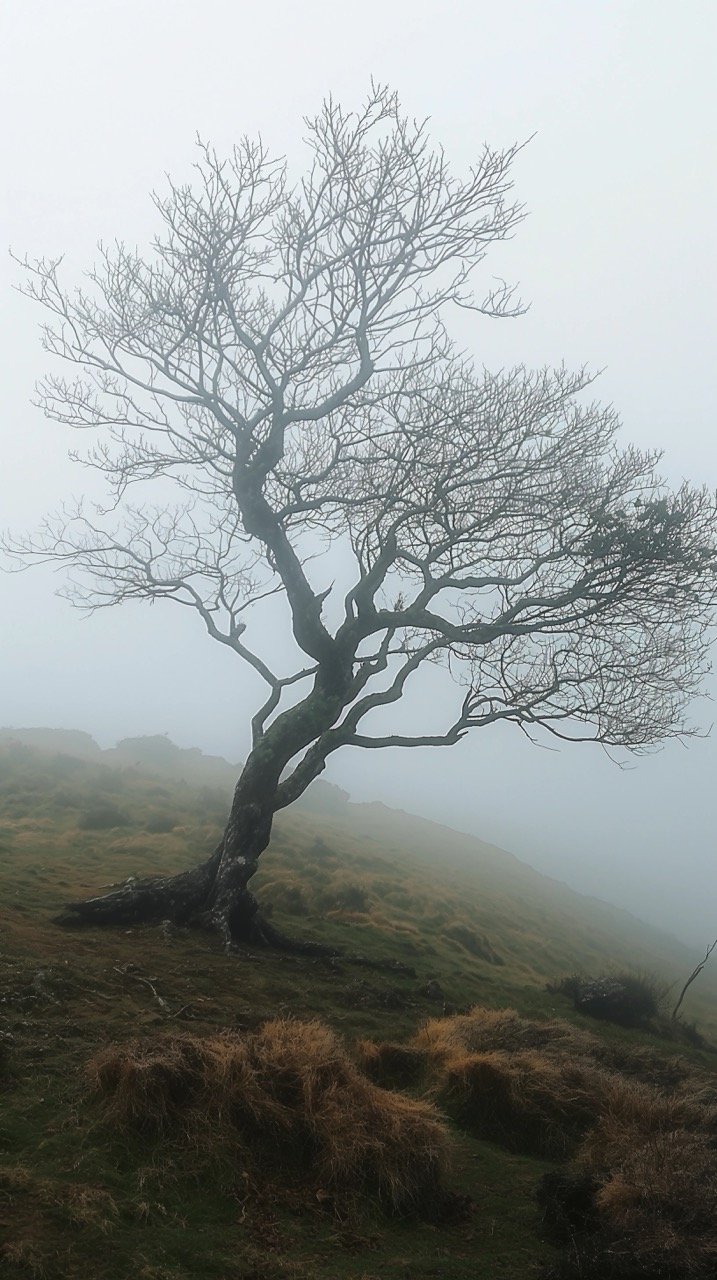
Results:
<point x="277" y="374"/>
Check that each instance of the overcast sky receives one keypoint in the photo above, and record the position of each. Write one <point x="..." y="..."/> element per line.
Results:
<point x="617" y="258"/>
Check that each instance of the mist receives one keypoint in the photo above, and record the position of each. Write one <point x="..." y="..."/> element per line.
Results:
<point x="616" y="259"/>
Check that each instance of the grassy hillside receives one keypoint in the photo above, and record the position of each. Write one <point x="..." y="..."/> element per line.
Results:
<point x="465" y="913"/>
<point x="428" y="921"/>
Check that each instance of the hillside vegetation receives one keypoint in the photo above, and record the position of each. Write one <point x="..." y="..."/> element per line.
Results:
<point x="167" y="1111"/>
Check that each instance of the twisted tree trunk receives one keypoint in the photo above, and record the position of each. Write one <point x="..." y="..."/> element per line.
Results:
<point x="216" y="894"/>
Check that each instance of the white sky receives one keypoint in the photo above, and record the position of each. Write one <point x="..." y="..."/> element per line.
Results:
<point x="617" y="258"/>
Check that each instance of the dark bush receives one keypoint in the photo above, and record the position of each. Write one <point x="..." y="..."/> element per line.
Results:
<point x="626" y="999"/>
<point x="102" y="817"/>
<point x="210" y="805"/>
<point x="320" y="851"/>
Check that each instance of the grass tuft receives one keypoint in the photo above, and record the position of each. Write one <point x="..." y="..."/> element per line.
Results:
<point x="525" y="1102"/>
<point x="482" y="1030"/>
<point x="290" y="1089"/>
<point x="642" y="1206"/>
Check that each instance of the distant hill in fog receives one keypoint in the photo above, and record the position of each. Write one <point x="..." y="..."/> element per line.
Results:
<point x="159" y="755"/>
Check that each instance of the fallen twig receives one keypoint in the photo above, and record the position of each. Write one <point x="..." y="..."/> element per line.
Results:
<point x="126" y="972"/>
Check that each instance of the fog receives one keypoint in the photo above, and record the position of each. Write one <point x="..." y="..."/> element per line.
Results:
<point x="617" y="259"/>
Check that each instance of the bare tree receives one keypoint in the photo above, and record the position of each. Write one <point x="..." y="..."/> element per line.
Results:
<point x="280" y="363"/>
<point x="695" y="974"/>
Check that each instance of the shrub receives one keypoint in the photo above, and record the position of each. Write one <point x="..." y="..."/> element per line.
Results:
<point x="651" y="1213"/>
<point x="209" y="804"/>
<point x="320" y="851"/>
<point x="288" y="1091"/>
<point x="627" y="999"/>
<point x="648" y="1169"/>
<point x="102" y="817"/>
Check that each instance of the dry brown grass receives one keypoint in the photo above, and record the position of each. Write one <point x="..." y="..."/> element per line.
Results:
<point x="541" y="1087"/>
<point x="483" y="1030"/>
<point x="666" y="1170"/>
<point x="640" y="1201"/>
<point x="25" y="1256"/>
<point x="632" y="1115"/>
<point x="288" y="1091"/>
<point x="81" y="1204"/>
<point x="529" y="1086"/>
<point x="640" y="1062"/>
<point x="653" y="1210"/>
<point x="147" y="1084"/>
<point x="524" y="1101"/>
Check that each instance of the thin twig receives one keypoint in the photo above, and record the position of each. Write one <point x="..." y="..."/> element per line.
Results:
<point x="126" y="973"/>
<point x="695" y="974"/>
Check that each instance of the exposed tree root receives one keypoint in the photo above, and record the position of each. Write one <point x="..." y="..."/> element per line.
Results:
<point x="177" y="898"/>
<point x="187" y="899"/>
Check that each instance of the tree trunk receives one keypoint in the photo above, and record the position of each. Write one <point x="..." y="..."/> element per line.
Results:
<point x="216" y="894"/>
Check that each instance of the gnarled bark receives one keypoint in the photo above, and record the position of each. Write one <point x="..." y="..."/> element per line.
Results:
<point x="176" y="898"/>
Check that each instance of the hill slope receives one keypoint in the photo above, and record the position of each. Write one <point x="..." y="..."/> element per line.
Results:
<point x="426" y="919"/>
<point x="472" y="916"/>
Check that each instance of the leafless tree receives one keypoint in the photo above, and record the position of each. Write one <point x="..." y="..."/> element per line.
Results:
<point x="695" y="974"/>
<point x="279" y="362"/>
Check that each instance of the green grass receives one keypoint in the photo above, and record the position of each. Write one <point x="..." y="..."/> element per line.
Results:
<point x="75" y="1201"/>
